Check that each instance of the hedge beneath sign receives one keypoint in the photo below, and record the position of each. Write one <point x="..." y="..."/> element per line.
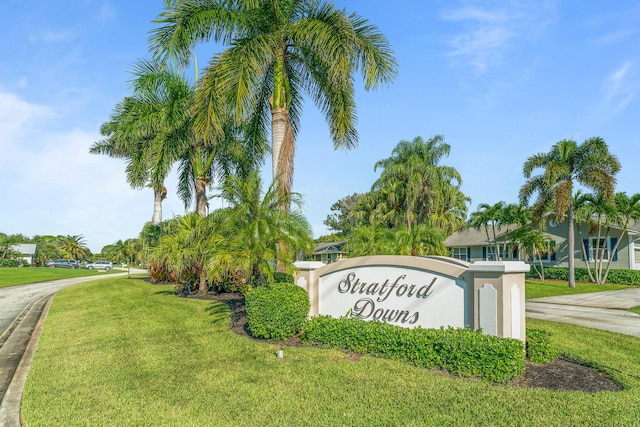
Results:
<point x="464" y="352"/>
<point x="276" y="311"/>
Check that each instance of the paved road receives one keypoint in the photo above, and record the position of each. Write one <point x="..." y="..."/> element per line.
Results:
<point x="598" y="310"/>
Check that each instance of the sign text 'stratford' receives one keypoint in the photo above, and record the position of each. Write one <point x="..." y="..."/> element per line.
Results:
<point x="365" y="308"/>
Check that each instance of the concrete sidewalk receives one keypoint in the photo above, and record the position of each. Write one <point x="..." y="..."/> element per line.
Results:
<point x="598" y="310"/>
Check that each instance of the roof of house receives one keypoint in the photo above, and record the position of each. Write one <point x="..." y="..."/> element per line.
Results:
<point x="328" y="248"/>
<point x="473" y="237"/>
<point x="25" y="248"/>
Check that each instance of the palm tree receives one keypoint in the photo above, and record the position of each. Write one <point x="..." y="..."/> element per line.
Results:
<point x="150" y="129"/>
<point x="417" y="181"/>
<point x="253" y="225"/>
<point x="187" y="246"/>
<point x="626" y="209"/>
<point x="535" y="243"/>
<point x="489" y="217"/>
<point x="420" y="240"/>
<point x="126" y="252"/>
<point x="278" y="51"/>
<point x="367" y="240"/>
<point x="74" y="247"/>
<point x="568" y="164"/>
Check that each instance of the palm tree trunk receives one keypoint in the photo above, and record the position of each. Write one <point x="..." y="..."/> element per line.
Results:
<point x="283" y="146"/>
<point x="572" y="244"/>
<point x="202" y="204"/>
<point x="202" y="286"/>
<point x="158" y="196"/>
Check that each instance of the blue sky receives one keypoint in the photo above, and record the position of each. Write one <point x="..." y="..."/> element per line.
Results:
<point x="500" y="80"/>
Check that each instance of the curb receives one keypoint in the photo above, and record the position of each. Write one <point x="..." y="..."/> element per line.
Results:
<point x="31" y="321"/>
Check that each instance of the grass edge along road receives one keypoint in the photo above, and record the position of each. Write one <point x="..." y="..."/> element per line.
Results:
<point x="124" y="352"/>
<point x="12" y="276"/>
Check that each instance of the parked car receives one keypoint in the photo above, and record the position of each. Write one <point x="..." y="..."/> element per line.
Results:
<point x="102" y="265"/>
<point x="63" y="263"/>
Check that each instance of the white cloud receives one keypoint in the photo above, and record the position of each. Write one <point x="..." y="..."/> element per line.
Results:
<point x="51" y="36"/>
<point x="16" y="117"/>
<point x="620" y="87"/>
<point x="488" y="28"/>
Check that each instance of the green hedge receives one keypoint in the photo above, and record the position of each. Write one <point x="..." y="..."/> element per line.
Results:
<point x="464" y="352"/>
<point x="276" y="311"/>
<point x="539" y="348"/>
<point x="616" y="276"/>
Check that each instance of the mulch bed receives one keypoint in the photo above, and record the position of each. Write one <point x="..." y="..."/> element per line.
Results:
<point x="558" y="375"/>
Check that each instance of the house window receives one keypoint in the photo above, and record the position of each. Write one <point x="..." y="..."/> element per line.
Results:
<point x="489" y="253"/>
<point x="459" y="253"/>
<point x="599" y="248"/>
<point x="508" y="252"/>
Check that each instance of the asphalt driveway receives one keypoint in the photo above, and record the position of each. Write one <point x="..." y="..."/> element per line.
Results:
<point x="598" y="310"/>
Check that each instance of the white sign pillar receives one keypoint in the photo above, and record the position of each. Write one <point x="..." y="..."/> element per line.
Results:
<point x="498" y="287"/>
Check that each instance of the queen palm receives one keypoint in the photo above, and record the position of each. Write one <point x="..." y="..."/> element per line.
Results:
<point x="150" y="129"/>
<point x="277" y="51"/>
<point x="566" y="165"/>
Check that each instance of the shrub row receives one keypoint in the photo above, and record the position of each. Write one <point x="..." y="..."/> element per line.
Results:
<point x="279" y="311"/>
<point x="464" y="352"/>
<point x="617" y="276"/>
<point x="276" y="311"/>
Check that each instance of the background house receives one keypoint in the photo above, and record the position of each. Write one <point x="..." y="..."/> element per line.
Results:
<point x="328" y="252"/>
<point x="473" y="245"/>
<point x="27" y="251"/>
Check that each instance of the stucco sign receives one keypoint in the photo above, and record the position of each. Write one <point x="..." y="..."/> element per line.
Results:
<point x="429" y="292"/>
<point x="403" y="296"/>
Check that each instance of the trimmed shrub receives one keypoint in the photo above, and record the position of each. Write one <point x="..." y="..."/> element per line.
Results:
<point x="616" y="276"/>
<point x="464" y="352"/>
<point x="276" y="311"/>
<point x="539" y="348"/>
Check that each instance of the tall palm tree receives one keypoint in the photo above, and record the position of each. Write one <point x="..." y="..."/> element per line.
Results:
<point x="277" y="51"/>
<point x="566" y="165"/>
<point x="150" y="129"/>
<point x="253" y="225"/>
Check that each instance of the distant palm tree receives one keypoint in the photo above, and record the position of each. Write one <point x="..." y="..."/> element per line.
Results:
<point x="278" y="50"/>
<point x="566" y="165"/>
<point x="489" y="218"/>
<point x="126" y="252"/>
<point x="74" y="247"/>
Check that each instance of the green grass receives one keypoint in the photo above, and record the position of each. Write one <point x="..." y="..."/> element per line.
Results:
<point x="11" y="276"/>
<point x="538" y="289"/>
<point x="124" y="352"/>
<point x="635" y="309"/>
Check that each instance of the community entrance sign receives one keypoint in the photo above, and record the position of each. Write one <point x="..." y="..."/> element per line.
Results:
<point x="430" y="292"/>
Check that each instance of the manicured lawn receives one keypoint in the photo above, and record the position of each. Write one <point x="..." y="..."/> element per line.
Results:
<point x="12" y="276"/>
<point x="124" y="352"/>
<point x="538" y="289"/>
